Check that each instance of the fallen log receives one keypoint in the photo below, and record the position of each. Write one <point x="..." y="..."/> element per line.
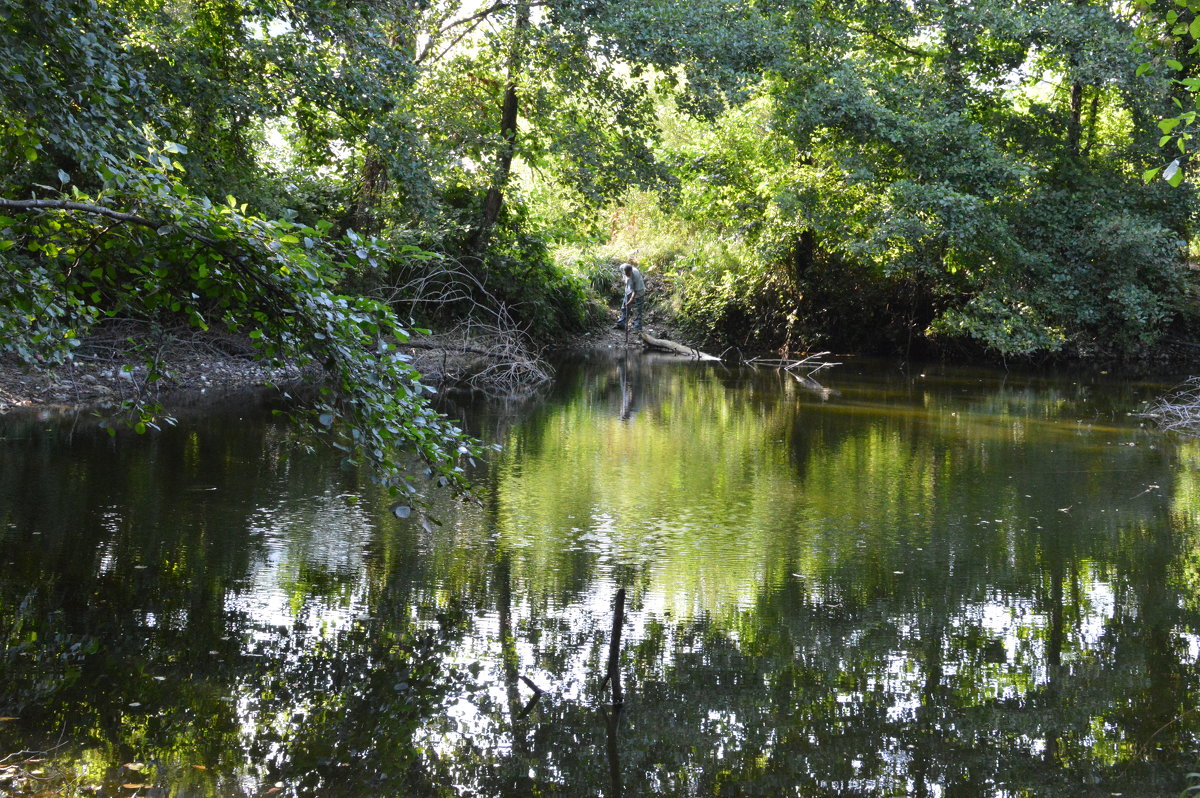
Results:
<point x="663" y="345"/>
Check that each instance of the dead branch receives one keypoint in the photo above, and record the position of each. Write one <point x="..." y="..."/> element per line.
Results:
<point x="505" y="362"/>
<point x="1178" y="411"/>
<point x="801" y="370"/>
<point x="810" y="364"/>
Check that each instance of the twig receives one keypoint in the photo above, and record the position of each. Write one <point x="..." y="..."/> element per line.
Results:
<point x="1178" y="411"/>
<point x="475" y="20"/>
<point x="810" y="364"/>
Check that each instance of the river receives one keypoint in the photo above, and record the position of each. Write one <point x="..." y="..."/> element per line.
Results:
<point x="922" y="581"/>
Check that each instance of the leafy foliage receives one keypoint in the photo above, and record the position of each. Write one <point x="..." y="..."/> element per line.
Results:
<point x="274" y="280"/>
<point x="869" y="176"/>
<point x="972" y="172"/>
<point x="127" y="237"/>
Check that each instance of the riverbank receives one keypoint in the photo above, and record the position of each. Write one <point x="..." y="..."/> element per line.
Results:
<point x="129" y="364"/>
<point x="113" y="368"/>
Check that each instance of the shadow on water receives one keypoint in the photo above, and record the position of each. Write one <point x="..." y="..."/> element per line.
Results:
<point x="934" y="583"/>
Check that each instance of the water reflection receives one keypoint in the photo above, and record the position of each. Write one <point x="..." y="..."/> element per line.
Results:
<point x="939" y="583"/>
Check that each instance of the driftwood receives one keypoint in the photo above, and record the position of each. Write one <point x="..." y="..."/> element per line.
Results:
<point x="810" y="364"/>
<point x="663" y="345"/>
<point x="1178" y="411"/>
<point x="496" y="360"/>
<point x="801" y="370"/>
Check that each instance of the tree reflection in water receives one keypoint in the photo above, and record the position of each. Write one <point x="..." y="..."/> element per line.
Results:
<point x="924" y="586"/>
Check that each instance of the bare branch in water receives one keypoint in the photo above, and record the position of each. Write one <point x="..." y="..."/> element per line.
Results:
<point x="802" y="370"/>
<point x="1178" y="411"/>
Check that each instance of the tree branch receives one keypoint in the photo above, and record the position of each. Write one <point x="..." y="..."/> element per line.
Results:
<point x="67" y="205"/>
<point x="100" y="210"/>
<point x="888" y="41"/>
<point x="874" y="34"/>
<point x="141" y="221"/>
<point x="477" y="18"/>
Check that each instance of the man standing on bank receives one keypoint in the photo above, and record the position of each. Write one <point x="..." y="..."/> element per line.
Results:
<point x="635" y="296"/>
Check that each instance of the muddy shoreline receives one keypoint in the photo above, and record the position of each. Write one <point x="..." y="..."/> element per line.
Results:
<point x="110" y="370"/>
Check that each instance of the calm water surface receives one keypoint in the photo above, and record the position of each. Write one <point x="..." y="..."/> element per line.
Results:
<point x="938" y="583"/>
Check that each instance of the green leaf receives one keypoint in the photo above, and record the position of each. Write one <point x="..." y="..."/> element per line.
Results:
<point x="1143" y="69"/>
<point x="1167" y="125"/>
<point x="1173" y="64"/>
<point x="63" y="177"/>
<point x="1194" y="28"/>
<point x="31" y="154"/>
<point x="1149" y="174"/>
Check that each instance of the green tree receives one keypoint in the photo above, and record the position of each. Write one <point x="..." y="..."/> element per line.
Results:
<point x="125" y="234"/>
<point x="964" y="177"/>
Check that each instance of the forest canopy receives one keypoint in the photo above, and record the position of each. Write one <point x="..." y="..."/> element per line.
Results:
<point x="325" y="177"/>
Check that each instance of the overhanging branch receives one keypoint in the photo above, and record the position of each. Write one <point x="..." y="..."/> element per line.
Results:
<point x="67" y="205"/>
<point x="141" y="221"/>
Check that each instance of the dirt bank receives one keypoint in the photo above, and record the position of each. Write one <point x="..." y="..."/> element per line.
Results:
<point x="110" y="369"/>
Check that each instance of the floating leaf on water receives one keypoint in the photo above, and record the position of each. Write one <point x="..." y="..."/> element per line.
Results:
<point x="200" y="767"/>
<point x="6" y="720"/>
<point x="134" y="766"/>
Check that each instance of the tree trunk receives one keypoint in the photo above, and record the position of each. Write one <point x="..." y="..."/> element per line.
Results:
<point x="365" y="216"/>
<point x="1093" y="113"/>
<point x="493" y="201"/>
<point x="1075" y="121"/>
